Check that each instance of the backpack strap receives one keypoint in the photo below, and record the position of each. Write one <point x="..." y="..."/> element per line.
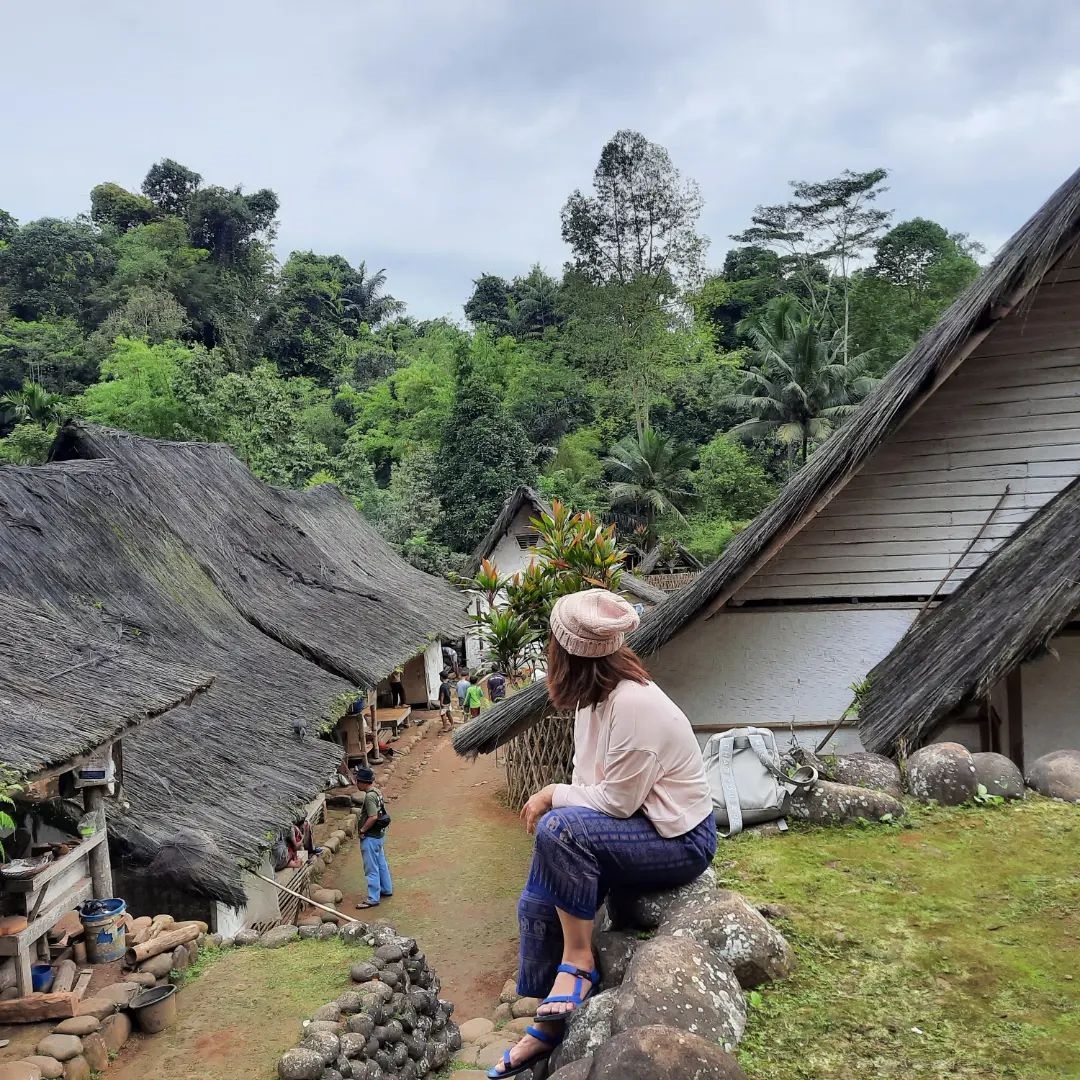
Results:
<point x="726" y="751"/>
<point x="805" y="776"/>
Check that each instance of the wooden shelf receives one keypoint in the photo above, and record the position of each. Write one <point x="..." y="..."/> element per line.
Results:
<point x="54" y="869"/>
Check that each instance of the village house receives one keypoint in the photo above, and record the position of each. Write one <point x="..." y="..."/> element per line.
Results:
<point x="924" y="555"/>
<point x="288" y="601"/>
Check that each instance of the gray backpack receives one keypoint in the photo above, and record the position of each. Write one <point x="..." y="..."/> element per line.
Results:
<point x="748" y="786"/>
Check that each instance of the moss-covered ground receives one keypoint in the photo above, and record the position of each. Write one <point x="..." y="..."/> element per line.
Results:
<point x="945" y="948"/>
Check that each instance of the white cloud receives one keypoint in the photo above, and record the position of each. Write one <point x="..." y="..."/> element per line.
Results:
<point x="439" y="138"/>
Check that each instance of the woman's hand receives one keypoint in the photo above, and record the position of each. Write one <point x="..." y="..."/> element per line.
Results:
<point x="537" y="807"/>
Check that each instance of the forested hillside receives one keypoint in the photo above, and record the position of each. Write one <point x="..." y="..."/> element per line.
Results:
<point x="636" y="382"/>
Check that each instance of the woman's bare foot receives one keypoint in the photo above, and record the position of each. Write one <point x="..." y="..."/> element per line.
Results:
<point x="566" y="984"/>
<point x="528" y="1046"/>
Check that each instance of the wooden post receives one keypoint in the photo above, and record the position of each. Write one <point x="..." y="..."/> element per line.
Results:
<point x="100" y="864"/>
<point x="1014" y="695"/>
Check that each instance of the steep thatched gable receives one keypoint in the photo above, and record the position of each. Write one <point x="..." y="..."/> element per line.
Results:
<point x="999" y="617"/>
<point x="1022" y="263"/>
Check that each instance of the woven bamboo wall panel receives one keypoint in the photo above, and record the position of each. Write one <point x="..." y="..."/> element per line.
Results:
<point x="540" y="756"/>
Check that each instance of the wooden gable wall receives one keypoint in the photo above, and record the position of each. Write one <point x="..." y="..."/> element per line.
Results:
<point x="1009" y="415"/>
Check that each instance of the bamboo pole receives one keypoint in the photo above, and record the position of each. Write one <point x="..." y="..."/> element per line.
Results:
<point x="307" y="900"/>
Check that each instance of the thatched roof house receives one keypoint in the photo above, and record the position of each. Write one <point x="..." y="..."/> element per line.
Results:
<point x="512" y="534"/>
<point x="907" y="498"/>
<point x="960" y="652"/>
<point x="287" y="599"/>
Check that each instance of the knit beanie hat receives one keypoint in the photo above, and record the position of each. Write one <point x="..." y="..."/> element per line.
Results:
<point x="592" y="623"/>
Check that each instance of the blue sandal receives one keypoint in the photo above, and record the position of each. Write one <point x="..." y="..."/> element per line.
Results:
<point x="576" y="999"/>
<point x="549" y="1041"/>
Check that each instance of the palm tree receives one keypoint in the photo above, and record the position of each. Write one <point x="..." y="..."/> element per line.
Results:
<point x="649" y="476"/>
<point x="797" y="386"/>
<point x="33" y="404"/>
<point x="364" y="300"/>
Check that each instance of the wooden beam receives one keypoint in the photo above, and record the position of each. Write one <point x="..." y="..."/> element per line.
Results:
<point x="55" y="868"/>
<point x="37" y="1007"/>
<point x="780" y="541"/>
<point x="1014" y="697"/>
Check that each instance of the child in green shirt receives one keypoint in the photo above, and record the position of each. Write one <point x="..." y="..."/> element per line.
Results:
<point x="474" y="696"/>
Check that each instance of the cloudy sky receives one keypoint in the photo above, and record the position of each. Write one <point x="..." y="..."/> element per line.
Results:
<point x="439" y="138"/>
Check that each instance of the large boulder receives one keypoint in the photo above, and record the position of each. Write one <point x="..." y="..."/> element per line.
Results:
<point x="61" y="1047"/>
<point x="613" y="950"/>
<point x="998" y="775"/>
<point x="756" y="951"/>
<point x="655" y="1053"/>
<point x="827" y="803"/>
<point x="1057" y="775"/>
<point x="943" y="773"/>
<point x="679" y="981"/>
<point x="866" y="771"/>
<point x="587" y="1030"/>
<point x="646" y="911"/>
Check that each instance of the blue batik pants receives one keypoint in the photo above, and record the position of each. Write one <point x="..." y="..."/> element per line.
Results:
<point x="376" y="869"/>
<point x="580" y="856"/>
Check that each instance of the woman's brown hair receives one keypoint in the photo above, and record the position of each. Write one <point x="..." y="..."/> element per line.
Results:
<point x="576" y="681"/>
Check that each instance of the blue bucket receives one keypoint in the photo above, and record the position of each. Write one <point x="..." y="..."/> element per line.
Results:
<point x="106" y="937"/>
<point x="41" y="977"/>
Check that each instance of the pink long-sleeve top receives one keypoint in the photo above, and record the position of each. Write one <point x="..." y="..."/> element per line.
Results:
<point x="637" y="751"/>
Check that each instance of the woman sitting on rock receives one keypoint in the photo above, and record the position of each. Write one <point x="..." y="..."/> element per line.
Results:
<point x="638" y="815"/>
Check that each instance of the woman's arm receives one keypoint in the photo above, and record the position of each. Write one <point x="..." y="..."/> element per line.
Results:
<point x="629" y="776"/>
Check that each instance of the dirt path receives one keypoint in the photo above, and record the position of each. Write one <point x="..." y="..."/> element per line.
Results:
<point x="458" y="858"/>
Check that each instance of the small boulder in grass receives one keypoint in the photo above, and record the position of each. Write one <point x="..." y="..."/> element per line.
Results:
<point x="61" y="1047"/>
<point x="827" y="803"/>
<point x="1057" y="775"/>
<point x="943" y="773"/>
<point x="867" y="770"/>
<point x="246" y="937"/>
<point x="50" y="1068"/>
<point x="997" y="775"/>
<point x="525" y="1006"/>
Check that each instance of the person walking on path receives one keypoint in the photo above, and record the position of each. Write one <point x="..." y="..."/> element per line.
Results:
<point x="637" y="815"/>
<point x="446" y="712"/>
<point x="462" y="692"/>
<point x="397" y="688"/>
<point x="374" y="821"/>
<point x="496" y="686"/>
<point x="474" y="696"/>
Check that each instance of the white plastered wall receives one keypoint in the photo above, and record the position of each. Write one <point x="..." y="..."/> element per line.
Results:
<point x="1051" y="696"/>
<point x="777" y="667"/>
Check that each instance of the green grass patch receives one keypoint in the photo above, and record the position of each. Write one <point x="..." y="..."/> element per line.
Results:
<point x="943" y="948"/>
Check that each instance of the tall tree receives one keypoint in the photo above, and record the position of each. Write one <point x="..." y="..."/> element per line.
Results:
<point x="650" y="477"/>
<point x="484" y="456"/>
<point x="170" y="186"/>
<point x="365" y="300"/>
<point x="640" y="221"/>
<point x="33" y="404"/>
<point x="110" y="204"/>
<point x="797" y="385"/>
<point x="55" y="268"/>
<point x="828" y="223"/>
<point x="489" y="304"/>
<point x="8" y="228"/>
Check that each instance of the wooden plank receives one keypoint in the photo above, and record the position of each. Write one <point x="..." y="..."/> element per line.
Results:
<point x="975" y="380"/>
<point x="944" y="504"/>
<point x="31" y="885"/>
<point x="900" y="486"/>
<point x="930" y="446"/>
<point x="948" y="544"/>
<point x="884" y="566"/>
<point x="37" y="1007"/>
<point x="10" y="946"/>
<point x="1014" y="696"/>
<point x="82" y="984"/>
<point x="852" y="579"/>
<point x="899" y="534"/>
<point x="936" y="428"/>
<point x="846" y="591"/>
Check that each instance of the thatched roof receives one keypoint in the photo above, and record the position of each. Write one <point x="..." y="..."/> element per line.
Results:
<point x="1001" y="615"/>
<point x="180" y="551"/>
<point x="529" y="499"/>
<point x="1019" y="267"/>
<point x="303" y="566"/>
<point x="684" y="560"/>
<point x="63" y="694"/>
